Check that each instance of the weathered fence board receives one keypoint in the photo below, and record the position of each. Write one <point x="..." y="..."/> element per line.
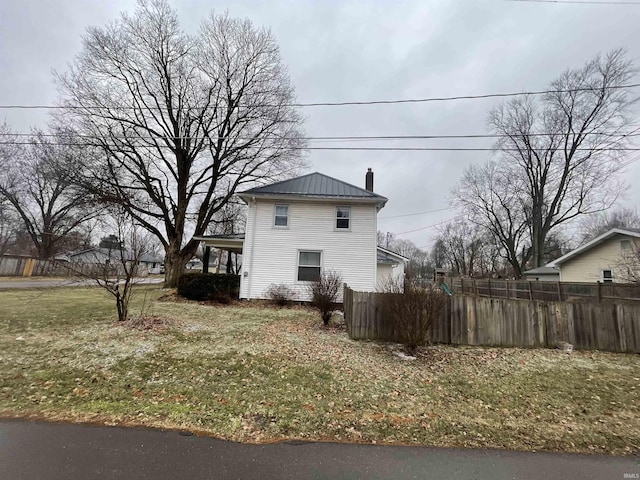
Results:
<point x="476" y="320"/>
<point x="545" y="291"/>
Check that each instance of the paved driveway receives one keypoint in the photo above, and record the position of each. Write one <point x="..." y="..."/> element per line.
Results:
<point x="35" y="450"/>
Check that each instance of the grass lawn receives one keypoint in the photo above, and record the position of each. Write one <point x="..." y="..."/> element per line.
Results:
<point x="259" y="374"/>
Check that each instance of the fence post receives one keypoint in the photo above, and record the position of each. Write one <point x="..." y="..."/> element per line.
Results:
<point x="559" y="292"/>
<point x="506" y="293"/>
<point x="475" y="287"/>
<point x="530" y="293"/>
<point x="599" y="292"/>
<point x="489" y="287"/>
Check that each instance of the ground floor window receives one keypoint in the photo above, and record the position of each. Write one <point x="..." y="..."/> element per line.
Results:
<point x="309" y="266"/>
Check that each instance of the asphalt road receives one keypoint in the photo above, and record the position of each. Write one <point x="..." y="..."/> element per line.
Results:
<point x="70" y="282"/>
<point x="36" y="450"/>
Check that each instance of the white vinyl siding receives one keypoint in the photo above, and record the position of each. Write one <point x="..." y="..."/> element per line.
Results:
<point x="387" y="272"/>
<point x="271" y="254"/>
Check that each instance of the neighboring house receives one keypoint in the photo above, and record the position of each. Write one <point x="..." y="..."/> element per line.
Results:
<point x="610" y="257"/>
<point x="101" y="256"/>
<point x="390" y="267"/>
<point x="543" y="274"/>
<point x="298" y="228"/>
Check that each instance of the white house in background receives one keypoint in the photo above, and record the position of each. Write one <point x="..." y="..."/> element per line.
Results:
<point x="610" y="257"/>
<point x="543" y="274"/>
<point x="298" y="228"/>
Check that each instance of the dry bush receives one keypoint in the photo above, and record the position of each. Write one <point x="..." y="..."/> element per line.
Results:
<point x="412" y="308"/>
<point x="280" y="294"/>
<point x="324" y="293"/>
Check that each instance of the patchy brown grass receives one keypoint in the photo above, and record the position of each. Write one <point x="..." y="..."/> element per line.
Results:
<point x="261" y="374"/>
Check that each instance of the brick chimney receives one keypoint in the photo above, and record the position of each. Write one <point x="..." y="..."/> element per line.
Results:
<point x="368" y="181"/>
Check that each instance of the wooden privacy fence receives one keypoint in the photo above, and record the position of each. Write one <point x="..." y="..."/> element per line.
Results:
<point x="18" y="266"/>
<point x="470" y="320"/>
<point x="365" y="320"/>
<point x="548" y="291"/>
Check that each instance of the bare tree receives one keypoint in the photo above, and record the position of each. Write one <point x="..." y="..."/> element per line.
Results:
<point x="118" y="271"/>
<point x="39" y="183"/>
<point x="593" y="225"/>
<point x="181" y="122"/>
<point x="564" y="149"/>
<point x="9" y="226"/>
<point x="628" y="269"/>
<point x="418" y="258"/>
<point x="493" y="199"/>
<point x="466" y="248"/>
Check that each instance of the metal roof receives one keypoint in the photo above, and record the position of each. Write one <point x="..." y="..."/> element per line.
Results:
<point x="388" y="256"/>
<point x="315" y="185"/>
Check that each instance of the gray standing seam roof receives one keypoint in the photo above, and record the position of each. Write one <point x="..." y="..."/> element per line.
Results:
<point x="317" y="185"/>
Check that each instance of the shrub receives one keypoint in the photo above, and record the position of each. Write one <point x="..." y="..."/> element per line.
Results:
<point x="209" y="286"/>
<point x="324" y="293"/>
<point x="411" y="307"/>
<point x="280" y="294"/>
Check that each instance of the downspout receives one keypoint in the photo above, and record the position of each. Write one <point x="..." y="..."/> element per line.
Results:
<point x="375" y="249"/>
<point x="253" y="242"/>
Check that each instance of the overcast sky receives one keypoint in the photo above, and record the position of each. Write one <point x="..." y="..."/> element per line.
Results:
<point x="344" y="51"/>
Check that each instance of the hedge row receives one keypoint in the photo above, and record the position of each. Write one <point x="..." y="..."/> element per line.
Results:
<point x="209" y="286"/>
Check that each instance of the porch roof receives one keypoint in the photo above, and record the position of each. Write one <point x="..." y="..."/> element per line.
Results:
<point x="232" y="242"/>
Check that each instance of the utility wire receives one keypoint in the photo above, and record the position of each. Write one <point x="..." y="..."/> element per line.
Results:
<point x="429" y="226"/>
<point x="380" y="149"/>
<point x="417" y="213"/>
<point x="578" y="2"/>
<point x="340" y="104"/>
<point x="633" y="133"/>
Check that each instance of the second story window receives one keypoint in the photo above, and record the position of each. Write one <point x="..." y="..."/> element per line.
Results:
<point x="607" y="276"/>
<point x="343" y="218"/>
<point x="281" y="217"/>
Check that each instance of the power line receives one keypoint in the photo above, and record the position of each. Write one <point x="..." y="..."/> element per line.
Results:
<point x="633" y="133"/>
<point x="430" y="226"/>
<point x="379" y="149"/>
<point x="417" y="213"/>
<point x="578" y="2"/>
<point x="341" y="104"/>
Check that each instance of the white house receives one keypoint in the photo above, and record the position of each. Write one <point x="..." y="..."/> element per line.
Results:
<point x="298" y="228"/>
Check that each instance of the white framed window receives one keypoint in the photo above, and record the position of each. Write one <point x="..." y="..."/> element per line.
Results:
<point x="343" y="218"/>
<point x="607" y="276"/>
<point x="309" y="265"/>
<point x="281" y="216"/>
<point x="625" y="245"/>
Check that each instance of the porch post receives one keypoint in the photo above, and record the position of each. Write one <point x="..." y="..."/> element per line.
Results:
<point x="205" y="259"/>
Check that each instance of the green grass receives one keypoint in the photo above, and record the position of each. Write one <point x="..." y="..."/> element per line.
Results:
<point x="260" y="374"/>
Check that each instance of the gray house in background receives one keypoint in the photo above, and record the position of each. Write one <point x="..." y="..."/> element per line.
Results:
<point x="102" y="256"/>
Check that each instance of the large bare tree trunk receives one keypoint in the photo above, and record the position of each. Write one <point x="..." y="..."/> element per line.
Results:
<point x="174" y="264"/>
<point x="180" y="123"/>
